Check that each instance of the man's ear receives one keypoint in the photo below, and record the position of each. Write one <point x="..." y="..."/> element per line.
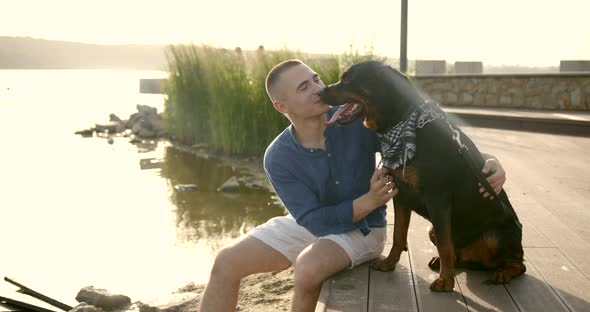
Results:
<point x="279" y="106"/>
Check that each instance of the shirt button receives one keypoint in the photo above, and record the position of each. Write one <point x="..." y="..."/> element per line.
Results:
<point x="311" y="150"/>
<point x="329" y="155"/>
<point x="337" y="182"/>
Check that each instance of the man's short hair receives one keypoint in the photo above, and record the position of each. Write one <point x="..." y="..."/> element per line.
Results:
<point x="274" y="75"/>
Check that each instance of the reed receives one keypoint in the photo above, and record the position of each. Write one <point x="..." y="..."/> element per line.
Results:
<point x="217" y="96"/>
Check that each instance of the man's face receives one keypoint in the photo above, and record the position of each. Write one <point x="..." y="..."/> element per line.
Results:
<point x="300" y="96"/>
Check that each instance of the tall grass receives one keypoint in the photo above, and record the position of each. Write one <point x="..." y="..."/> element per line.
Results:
<point x="217" y="96"/>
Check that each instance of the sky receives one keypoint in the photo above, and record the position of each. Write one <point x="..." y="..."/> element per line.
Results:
<point x="496" y="32"/>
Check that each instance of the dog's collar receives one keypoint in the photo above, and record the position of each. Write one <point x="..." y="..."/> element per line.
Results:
<point x="398" y="143"/>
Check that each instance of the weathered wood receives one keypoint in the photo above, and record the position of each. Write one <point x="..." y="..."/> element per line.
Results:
<point x="565" y="279"/>
<point x="324" y="296"/>
<point x="24" y="305"/>
<point x="349" y="290"/>
<point x="557" y="232"/>
<point x="28" y="291"/>
<point x="531" y="236"/>
<point x="421" y="251"/>
<point x="392" y="291"/>
<point x="531" y="292"/>
<point x="9" y="308"/>
<point x="482" y="296"/>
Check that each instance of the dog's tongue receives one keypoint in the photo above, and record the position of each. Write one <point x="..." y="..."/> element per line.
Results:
<point x="336" y="115"/>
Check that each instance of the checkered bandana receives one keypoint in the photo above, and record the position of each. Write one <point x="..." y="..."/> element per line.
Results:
<point x="398" y="143"/>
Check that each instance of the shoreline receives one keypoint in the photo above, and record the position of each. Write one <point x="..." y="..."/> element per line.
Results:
<point x="258" y="292"/>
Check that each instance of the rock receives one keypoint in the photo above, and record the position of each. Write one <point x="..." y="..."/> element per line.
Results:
<point x="110" y="127"/>
<point x="254" y="186"/>
<point x="171" y="303"/>
<point x="84" y="307"/>
<point x="133" y="119"/>
<point x="113" y="117"/>
<point x="86" y="132"/>
<point x="186" y="187"/>
<point x="136" y="128"/>
<point x="150" y="163"/>
<point x="231" y="186"/>
<point x="146" y="109"/>
<point x="146" y="133"/>
<point x="101" y="298"/>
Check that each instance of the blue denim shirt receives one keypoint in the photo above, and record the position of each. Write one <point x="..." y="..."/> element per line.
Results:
<point x="318" y="186"/>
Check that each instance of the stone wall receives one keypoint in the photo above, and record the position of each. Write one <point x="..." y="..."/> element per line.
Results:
<point x="566" y="91"/>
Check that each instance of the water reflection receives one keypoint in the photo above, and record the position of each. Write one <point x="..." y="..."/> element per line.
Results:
<point x="207" y="215"/>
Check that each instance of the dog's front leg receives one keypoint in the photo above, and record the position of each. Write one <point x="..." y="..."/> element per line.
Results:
<point x="439" y="209"/>
<point x="402" y="216"/>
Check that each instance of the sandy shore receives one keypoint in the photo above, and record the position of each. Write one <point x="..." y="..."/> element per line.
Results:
<point x="264" y="292"/>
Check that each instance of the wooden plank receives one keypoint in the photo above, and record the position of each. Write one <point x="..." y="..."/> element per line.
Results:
<point x="9" y="308"/>
<point x="28" y="291"/>
<point x="565" y="279"/>
<point x="24" y="305"/>
<point x="324" y="296"/>
<point x="326" y="300"/>
<point x="421" y="251"/>
<point x="349" y="290"/>
<point x="531" y="292"/>
<point x="531" y="236"/>
<point x="575" y="248"/>
<point x="482" y="296"/>
<point x="392" y="291"/>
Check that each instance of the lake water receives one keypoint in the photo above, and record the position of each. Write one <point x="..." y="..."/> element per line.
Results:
<point x="78" y="211"/>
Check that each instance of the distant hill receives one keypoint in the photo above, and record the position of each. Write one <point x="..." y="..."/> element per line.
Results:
<point x="29" y="53"/>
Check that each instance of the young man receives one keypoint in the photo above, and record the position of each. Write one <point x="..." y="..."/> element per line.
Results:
<point x="326" y="178"/>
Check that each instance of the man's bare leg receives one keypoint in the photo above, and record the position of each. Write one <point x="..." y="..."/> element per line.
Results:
<point x="315" y="264"/>
<point x="247" y="256"/>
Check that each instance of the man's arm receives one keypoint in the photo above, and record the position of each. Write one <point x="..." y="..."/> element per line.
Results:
<point x="497" y="177"/>
<point x="319" y="218"/>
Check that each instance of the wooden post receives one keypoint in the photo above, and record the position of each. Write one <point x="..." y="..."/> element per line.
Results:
<point x="27" y="291"/>
<point x="403" y="51"/>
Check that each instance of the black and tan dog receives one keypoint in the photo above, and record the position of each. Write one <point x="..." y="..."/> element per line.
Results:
<point x="433" y="178"/>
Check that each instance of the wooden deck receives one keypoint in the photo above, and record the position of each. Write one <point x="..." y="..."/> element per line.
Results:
<point x="549" y="186"/>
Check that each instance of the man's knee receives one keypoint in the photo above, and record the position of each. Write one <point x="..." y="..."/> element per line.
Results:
<point x="226" y="264"/>
<point x="308" y="275"/>
<point x="318" y="262"/>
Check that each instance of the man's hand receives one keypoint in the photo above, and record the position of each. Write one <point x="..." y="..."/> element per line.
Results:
<point x="382" y="190"/>
<point x="497" y="177"/>
<point x="382" y="187"/>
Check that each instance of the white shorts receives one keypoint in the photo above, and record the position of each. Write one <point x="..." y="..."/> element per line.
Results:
<point x="290" y="239"/>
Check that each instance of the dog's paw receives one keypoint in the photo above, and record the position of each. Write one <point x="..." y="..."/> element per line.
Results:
<point x="384" y="265"/>
<point x="501" y="276"/>
<point x="505" y="274"/>
<point x="434" y="263"/>
<point x="443" y="284"/>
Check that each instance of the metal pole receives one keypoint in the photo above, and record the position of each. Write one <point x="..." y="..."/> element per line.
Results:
<point x="403" y="51"/>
